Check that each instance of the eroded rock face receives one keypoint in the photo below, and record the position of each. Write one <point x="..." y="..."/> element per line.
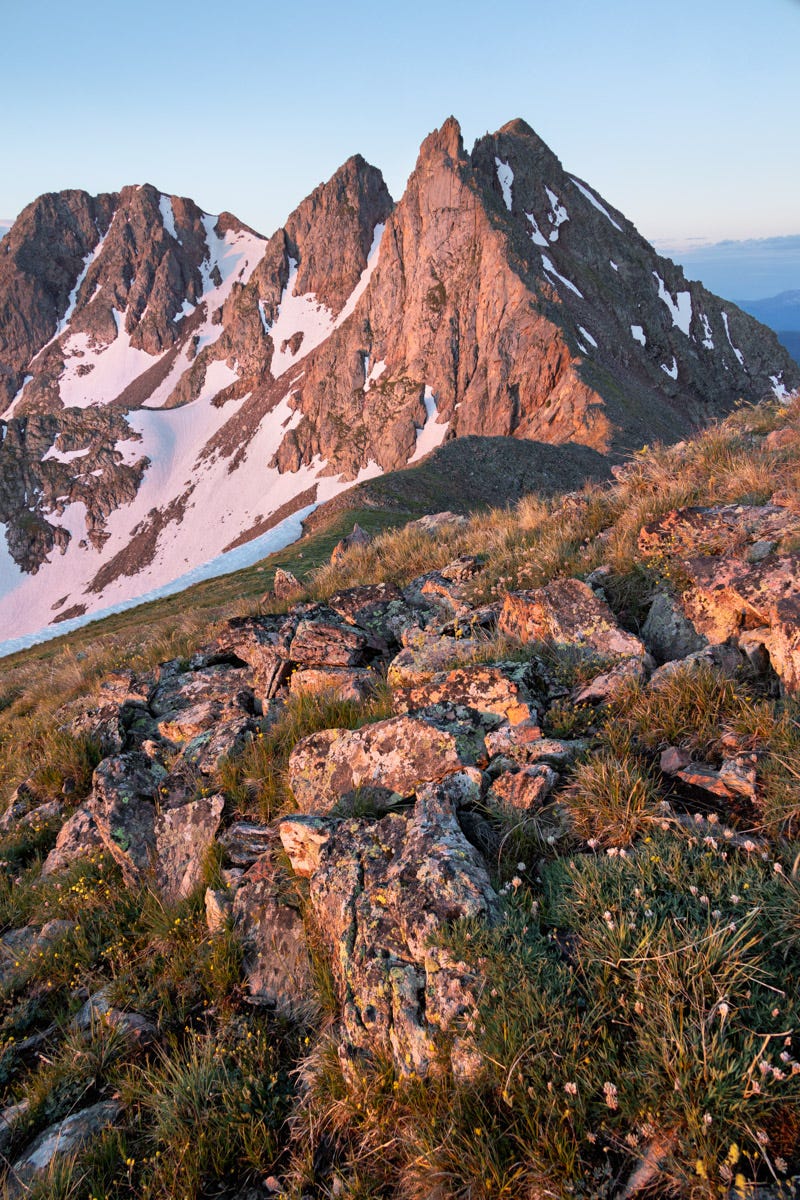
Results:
<point x="382" y="893"/>
<point x="387" y="759"/>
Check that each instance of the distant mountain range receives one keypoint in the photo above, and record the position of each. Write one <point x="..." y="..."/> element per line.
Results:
<point x="753" y="267"/>
<point x="781" y="313"/>
<point x="177" y="390"/>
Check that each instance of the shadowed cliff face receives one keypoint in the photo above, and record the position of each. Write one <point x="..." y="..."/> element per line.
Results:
<point x="173" y="380"/>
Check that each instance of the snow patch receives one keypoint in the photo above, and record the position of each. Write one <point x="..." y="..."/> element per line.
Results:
<point x="431" y="434"/>
<point x="680" y="308"/>
<point x="168" y="217"/>
<point x="708" y="340"/>
<point x="505" y="177"/>
<point x="64" y="456"/>
<point x="557" y="215"/>
<point x="9" y="413"/>
<point x="306" y="315"/>
<point x="114" y="367"/>
<point x="738" y="353"/>
<point x="671" y="371"/>
<point x="637" y="333"/>
<point x="596" y="204"/>
<point x="186" y="310"/>
<point x="779" y="388"/>
<point x="550" y="269"/>
<point x="588" y="336"/>
<point x="303" y="315"/>
<point x="537" y="237"/>
<point x="375" y="373"/>
<point x="366" y="275"/>
<point x="73" y="296"/>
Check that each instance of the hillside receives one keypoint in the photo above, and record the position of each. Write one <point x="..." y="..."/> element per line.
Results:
<point x="175" y="387"/>
<point x="469" y="869"/>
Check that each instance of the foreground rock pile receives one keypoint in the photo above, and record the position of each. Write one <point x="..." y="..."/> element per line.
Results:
<point x="395" y="828"/>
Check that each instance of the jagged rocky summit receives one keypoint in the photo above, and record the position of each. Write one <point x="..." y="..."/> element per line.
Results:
<point x="175" y="387"/>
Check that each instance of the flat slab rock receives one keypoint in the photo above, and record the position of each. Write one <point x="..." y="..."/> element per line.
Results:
<point x="345" y="683"/>
<point x="381" y="893"/>
<point x="378" y="608"/>
<point x="567" y="613"/>
<point x="387" y="759"/>
<point x="426" y="654"/>
<point x="59" y="1140"/>
<point x="495" y="688"/>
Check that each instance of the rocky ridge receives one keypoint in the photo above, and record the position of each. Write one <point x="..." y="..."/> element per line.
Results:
<point x="175" y="385"/>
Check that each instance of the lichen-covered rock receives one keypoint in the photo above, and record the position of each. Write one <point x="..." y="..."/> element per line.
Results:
<point x="263" y="643"/>
<point x="378" y="608"/>
<point x="183" y="838"/>
<point x="567" y="613"/>
<point x="77" y="838"/>
<point x="609" y="683"/>
<point x="219" y="908"/>
<point x="303" y="837"/>
<point x="523" y="790"/>
<point x="122" y="803"/>
<point x="345" y="683"/>
<point x="286" y="585"/>
<point x="206" y="751"/>
<point x="386" y="759"/>
<point x="276" y="960"/>
<point x="501" y="688"/>
<point x="744" y="577"/>
<point x="186" y="703"/>
<point x="426" y="654"/>
<point x="381" y="895"/>
<point x="64" y="1138"/>
<point x="727" y="659"/>
<point x="525" y="745"/>
<point x="328" y="641"/>
<point x="246" y="841"/>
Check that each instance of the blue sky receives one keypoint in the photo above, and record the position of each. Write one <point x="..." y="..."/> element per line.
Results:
<point x="682" y="114"/>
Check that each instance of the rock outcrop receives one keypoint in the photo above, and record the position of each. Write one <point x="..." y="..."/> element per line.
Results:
<point x="742" y="573"/>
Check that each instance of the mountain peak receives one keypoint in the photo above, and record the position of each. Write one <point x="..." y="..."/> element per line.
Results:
<point x="519" y="128"/>
<point x="446" y="140"/>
